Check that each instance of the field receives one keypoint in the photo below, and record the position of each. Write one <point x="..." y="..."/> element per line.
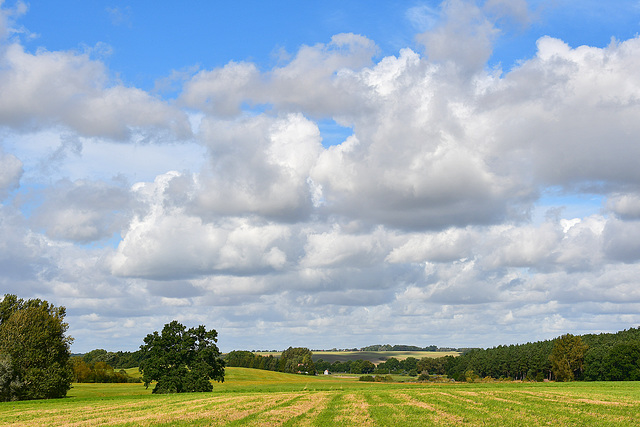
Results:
<point x="372" y="356"/>
<point x="253" y="397"/>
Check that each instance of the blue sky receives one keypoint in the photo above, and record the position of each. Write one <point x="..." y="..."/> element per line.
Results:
<point x="146" y="41"/>
<point x="423" y="172"/>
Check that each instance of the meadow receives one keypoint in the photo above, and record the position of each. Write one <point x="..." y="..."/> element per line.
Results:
<point x="256" y="397"/>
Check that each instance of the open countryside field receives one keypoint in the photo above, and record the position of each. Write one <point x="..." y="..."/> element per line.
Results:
<point x="253" y="397"/>
<point x="372" y="356"/>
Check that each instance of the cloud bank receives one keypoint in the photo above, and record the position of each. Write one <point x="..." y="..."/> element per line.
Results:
<point x="424" y="225"/>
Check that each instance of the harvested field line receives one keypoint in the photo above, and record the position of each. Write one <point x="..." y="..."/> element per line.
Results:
<point x="436" y="415"/>
<point x="464" y="399"/>
<point x="354" y="410"/>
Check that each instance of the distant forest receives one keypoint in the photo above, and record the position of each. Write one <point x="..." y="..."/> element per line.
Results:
<point x="590" y="357"/>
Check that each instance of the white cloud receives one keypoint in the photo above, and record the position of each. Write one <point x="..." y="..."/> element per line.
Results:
<point x="417" y="226"/>
<point x="258" y="165"/>
<point x="625" y="205"/>
<point x="464" y="39"/>
<point x="48" y="88"/>
<point x="82" y="211"/>
<point x="10" y="172"/>
<point x="166" y="243"/>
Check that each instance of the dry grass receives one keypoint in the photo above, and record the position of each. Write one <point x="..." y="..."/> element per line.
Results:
<point x="274" y="400"/>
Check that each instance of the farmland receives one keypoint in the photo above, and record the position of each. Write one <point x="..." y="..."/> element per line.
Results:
<point x="255" y="397"/>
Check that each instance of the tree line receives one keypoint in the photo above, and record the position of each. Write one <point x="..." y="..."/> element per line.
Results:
<point x="294" y="360"/>
<point x="389" y="347"/>
<point x="35" y="359"/>
<point x="590" y="357"/>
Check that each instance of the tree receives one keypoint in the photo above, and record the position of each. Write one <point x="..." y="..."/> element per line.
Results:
<point x="623" y="362"/>
<point x="181" y="360"/>
<point x="34" y="346"/>
<point x="567" y="357"/>
<point x="297" y="360"/>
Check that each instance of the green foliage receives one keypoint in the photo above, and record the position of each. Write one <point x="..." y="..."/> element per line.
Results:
<point x="297" y="360"/>
<point x="98" y="372"/>
<point x="181" y="360"/>
<point x="247" y="359"/>
<point x="623" y="362"/>
<point x="35" y="349"/>
<point x="10" y="384"/>
<point x="567" y="357"/>
<point x="118" y="359"/>
<point x="424" y="376"/>
<point x="599" y="357"/>
<point x="367" y="378"/>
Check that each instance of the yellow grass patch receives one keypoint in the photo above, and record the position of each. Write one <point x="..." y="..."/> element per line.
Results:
<point x="355" y="411"/>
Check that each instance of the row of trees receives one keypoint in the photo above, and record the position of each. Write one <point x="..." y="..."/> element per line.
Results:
<point x="98" y="372"/>
<point x="117" y="359"/>
<point x="591" y="357"/>
<point x="359" y="366"/>
<point x="389" y="347"/>
<point x="602" y="357"/>
<point x="294" y="360"/>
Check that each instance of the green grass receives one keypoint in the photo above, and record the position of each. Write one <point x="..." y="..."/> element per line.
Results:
<point x="254" y="397"/>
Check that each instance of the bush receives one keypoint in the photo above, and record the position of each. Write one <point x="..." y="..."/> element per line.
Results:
<point x="367" y="378"/>
<point x="9" y="383"/>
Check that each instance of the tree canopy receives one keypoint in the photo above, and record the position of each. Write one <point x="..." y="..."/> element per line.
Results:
<point x="181" y="360"/>
<point x="297" y="360"/>
<point x="567" y="357"/>
<point x="34" y="350"/>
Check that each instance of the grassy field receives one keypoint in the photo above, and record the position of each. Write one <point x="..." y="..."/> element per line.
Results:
<point x="252" y="397"/>
<point x="373" y="356"/>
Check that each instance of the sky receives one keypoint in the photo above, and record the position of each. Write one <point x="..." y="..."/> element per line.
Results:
<point x="333" y="175"/>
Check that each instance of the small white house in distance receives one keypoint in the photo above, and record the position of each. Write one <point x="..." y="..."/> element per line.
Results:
<point x="326" y="372"/>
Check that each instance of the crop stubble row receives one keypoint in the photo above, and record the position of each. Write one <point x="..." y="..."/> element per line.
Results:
<point x="375" y="406"/>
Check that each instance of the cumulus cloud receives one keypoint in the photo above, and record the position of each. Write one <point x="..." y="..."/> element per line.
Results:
<point x="10" y="172"/>
<point x="167" y="243"/>
<point x="82" y="211"/>
<point x="626" y="206"/>
<point x="258" y="165"/>
<point x="418" y="224"/>
<point x="464" y="38"/>
<point x="309" y="81"/>
<point x="68" y="88"/>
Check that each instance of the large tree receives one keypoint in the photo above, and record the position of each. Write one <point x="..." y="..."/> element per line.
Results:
<point x="34" y="349"/>
<point x="567" y="357"/>
<point x="181" y="360"/>
<point x="297" y="360"/>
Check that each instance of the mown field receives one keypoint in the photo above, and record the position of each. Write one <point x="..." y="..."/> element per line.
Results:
<point x="253" y="397"/>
